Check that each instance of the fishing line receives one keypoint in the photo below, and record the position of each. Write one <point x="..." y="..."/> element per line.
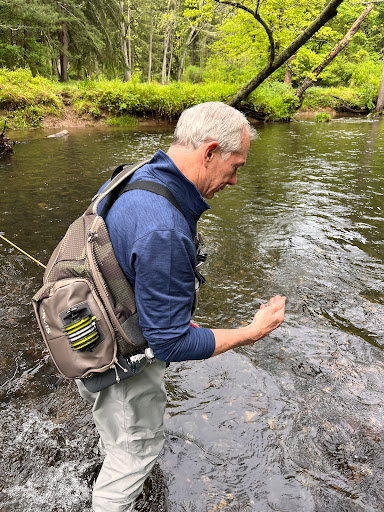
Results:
<point x="21" y="250"/>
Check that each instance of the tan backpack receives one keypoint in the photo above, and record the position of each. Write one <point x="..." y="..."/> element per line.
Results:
<point x="86" y="308"/>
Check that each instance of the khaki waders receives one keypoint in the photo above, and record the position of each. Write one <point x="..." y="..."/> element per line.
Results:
<point x="129" y="419"/>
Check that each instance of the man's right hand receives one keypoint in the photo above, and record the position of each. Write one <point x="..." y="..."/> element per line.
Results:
<point x="268" y="318"/>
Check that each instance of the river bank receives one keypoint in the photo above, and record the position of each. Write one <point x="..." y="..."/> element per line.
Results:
<point x="28" y="101"/>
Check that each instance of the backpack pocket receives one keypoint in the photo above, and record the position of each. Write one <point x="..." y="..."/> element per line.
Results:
<point x="75" y="327"/>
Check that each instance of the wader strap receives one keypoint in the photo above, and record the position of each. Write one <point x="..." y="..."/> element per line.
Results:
<point x="156" y="188"/>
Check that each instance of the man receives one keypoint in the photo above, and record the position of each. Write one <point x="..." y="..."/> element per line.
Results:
<point x="154" y="244"/>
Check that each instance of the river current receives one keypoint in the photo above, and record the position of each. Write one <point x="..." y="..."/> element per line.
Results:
<point x="291" y="424"/>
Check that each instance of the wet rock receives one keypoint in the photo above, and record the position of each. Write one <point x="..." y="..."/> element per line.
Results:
<point x="63" y="133"/>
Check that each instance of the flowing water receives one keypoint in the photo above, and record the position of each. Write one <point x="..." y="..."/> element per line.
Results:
<point x="293" y="423"/>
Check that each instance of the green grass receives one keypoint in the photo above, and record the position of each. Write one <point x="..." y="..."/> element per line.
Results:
<point x="147" y="99"/>
<point x="25" y="99"/>
<point x="338" y="98"/>
<point x="124" y="120"/>
<point x="322" y="117"/>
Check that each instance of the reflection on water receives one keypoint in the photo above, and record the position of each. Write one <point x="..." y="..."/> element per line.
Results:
<point x="292" y="423"/>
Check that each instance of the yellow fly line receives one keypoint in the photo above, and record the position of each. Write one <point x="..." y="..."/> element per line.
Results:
<point x="21" y="250"/>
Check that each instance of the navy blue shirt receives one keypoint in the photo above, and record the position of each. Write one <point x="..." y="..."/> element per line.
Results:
<point x="153" y="243"/>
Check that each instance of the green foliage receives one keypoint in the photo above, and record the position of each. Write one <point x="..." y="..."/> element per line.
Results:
<point x="275" y="99"/>
<point x="25" y="99"/>
<point x="214" y="44"/>
<point x="83" y="107"/>
<point x="322" y="117"/>
<point x="124" y="120"/>
<point x="338" y="98"/>
<point x="20" y="88"/>
<point x="192" y="74"/>
<point x="155" y="100"/>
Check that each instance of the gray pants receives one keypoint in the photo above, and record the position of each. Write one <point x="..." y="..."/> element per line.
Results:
<point x="129" y="419"/>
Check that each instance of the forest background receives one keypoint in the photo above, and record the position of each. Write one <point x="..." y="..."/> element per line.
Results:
<point x="122" y="59"/>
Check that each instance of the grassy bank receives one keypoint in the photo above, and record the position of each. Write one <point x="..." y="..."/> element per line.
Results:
<point x="26" y="101"/>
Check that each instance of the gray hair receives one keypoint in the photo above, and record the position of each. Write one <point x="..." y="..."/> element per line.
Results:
<point x="212" y="121"/>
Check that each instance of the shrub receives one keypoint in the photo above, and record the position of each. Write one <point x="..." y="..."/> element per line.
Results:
<point x="25" y="98"/>
<point x="275" y="99"/>
<point x="338" y="98"/>
<point x="322" y="117"/>
<point x="125" y="120"/>
<point x="192" y="74"/>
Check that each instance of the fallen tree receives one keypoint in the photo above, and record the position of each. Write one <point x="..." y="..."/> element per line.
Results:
<point x="275" y="61"/>
<point x="300" y="92"/>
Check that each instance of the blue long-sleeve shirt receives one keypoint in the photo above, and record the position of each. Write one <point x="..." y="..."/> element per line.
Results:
<point x="153" y="243"/>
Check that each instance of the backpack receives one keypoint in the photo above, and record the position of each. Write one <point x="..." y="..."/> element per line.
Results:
<point x="86" y="308"/>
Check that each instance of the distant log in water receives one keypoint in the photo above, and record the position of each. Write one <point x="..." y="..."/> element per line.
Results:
<point x="5" y="143"/>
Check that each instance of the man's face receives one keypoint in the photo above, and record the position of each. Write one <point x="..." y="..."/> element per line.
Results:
<point x="222" y="172"/>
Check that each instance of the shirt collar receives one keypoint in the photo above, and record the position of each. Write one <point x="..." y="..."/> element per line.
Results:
<point x="186" y="193"/>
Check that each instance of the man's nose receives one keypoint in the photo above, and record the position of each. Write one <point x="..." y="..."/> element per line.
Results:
<point x="233" y="180"/>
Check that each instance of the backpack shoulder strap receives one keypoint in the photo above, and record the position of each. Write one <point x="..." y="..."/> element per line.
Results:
<point x="155" y="188"/>
<point x="118" y="186"/>
<point x="111" y="191"/>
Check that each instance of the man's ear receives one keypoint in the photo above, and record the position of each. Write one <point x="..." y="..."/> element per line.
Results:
<point x="210" y="149"/>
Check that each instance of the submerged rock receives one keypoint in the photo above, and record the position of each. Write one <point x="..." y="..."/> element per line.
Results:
<point x="63" y="133"/>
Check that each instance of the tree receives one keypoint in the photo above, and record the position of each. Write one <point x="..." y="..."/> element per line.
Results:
<point x="300" y="92"/>
<point x="124" y="49"/>
<point x="170" y="22"/>
<point x="150" y="44"/>
<point x="380" y="99"/>
<point x="275" y="61"/>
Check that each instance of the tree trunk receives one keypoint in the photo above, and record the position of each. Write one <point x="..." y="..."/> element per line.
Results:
<point x="164" y="66"/>
<point x="193" y="51"/>
<point x="167" y="37"/>
<point x="327" y="14"/>
<point x="170" y="56"/>
<point x="191" y="36"/>
<point x="64" y="53"/>
<point x="150" y="44"/>
<point x="380" y="99"/>
<point x="288" y="72"/>
<point x="300" y="93"/>
<point x="130" y="54"/>
<point x="123" y="36"/>
<point x="96" y="69"/>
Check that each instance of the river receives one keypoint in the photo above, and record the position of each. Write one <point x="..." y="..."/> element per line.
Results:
<point x="291" y="424"/>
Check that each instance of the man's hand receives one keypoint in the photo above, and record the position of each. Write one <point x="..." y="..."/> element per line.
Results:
<point x="268" y="318"/>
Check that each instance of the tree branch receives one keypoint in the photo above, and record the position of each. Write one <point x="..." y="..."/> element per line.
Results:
<point x="270" y="37"/>
<point x="258" y="18"/>
<point x="336" y="50"/>
<point x="236" y="4"/>
<point x="327" y="14"/>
